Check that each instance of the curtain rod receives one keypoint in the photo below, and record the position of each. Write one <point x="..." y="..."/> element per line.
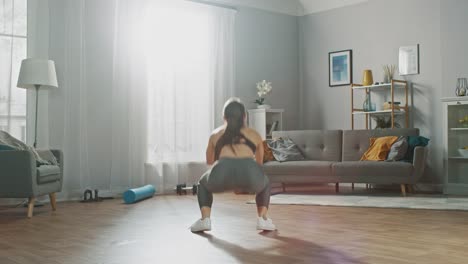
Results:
<point x="213" y="4"/>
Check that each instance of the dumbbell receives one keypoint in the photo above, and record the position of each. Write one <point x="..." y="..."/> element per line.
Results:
<point x="180" y="189"/>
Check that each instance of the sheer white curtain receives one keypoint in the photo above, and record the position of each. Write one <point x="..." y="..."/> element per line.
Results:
<point x="174" y="73"/>
<point x="129" y="94"/>
<point x="147" y="91"/>
<point x="68" y="108"/>
<point x="190" y="64"/>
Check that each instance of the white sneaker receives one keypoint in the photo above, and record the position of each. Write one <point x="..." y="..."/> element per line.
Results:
<point x="201" y="225"/>
<point x="266" y="225"/>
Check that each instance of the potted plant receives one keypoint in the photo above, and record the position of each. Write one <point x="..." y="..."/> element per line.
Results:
<point x="263" y="89"/>
<point x="383" y="122"/>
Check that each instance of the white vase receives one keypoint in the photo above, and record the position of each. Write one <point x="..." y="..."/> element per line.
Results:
<point x="264" y="106"/>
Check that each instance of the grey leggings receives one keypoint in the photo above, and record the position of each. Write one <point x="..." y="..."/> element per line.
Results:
<point x="234" y="174"/>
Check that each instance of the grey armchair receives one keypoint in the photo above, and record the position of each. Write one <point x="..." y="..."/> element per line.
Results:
<point x="20" y="178"/>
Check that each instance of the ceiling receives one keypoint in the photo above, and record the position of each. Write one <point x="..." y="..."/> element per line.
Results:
<point x="291" y="7"/>
<point x="315" y="6"/>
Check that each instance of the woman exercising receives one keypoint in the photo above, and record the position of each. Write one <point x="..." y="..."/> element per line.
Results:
<point x="237" y="154"/>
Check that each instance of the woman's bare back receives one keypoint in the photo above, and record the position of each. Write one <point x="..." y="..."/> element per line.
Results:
<point x="240" y="150"/>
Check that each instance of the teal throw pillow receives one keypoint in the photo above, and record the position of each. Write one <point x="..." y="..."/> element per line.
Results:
<point x="5" y="147"/>
<point x="413" y="142"/>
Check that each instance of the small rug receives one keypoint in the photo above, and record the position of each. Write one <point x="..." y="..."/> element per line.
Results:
<point x="432" y="202"/>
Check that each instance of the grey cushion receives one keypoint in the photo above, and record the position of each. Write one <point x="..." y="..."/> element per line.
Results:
<point x="304" y="167"/>
<point x="356" y="142"/>
<point x="48" y="173"/>
<point x="373" y="169"/>
<point x="398" y="149"/>
<point x="284" y="149"/>
<point x="48" y="155"/>
<point x="323" y="145"/>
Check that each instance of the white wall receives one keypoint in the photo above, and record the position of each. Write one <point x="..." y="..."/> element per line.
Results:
<point x="267" y="49"/>
<point x="454" y="37"/>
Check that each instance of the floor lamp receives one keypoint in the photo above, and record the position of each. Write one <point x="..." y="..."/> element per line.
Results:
<point x="37" y="73"/>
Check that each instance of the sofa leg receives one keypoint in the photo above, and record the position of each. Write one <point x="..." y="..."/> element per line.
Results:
<point x="352" y="186"/>
<point x="31" y="206"/>
<point x="403" y="189"/>
<point x="53" y="202"/>
<point x="337" y="187"/>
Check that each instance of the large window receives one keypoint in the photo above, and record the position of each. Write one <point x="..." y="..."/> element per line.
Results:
<point x="13" y="32"/>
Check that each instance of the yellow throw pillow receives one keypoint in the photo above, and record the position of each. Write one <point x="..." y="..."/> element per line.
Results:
<point x="379" y="148"/>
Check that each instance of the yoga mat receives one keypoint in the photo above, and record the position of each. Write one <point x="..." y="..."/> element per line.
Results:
<point x="137" y="194"/>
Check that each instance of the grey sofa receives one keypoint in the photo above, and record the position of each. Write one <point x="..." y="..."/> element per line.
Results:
<point x="20" y="178"/>
<point x="333" y="157"/>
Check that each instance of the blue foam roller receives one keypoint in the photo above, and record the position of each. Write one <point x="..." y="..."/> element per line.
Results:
<point x="137" y="194"/>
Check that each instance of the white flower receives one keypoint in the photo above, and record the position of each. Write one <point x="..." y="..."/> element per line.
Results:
<point x="264" y="88"/>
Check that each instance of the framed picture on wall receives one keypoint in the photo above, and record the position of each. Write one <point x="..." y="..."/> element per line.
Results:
<point x="340" y="68"/>
<point x="408" y="60"/>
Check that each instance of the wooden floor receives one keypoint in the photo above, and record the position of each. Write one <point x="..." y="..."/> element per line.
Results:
<point x="156" y="231"/>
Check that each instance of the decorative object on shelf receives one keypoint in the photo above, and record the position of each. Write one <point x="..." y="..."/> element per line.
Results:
<point x="388" y="106"/>
<point x="367" y="78"/>
<point x="463" y="152"/>
<point x="389" y="71"/>
<point x="462" y="87"/>
<point x="366" y="106"/>
<point x="263" y="89"/>
<point x="463" y="122"/>
<point x="340" y="68"/>
<point x="408" y="60"/>
<point x="383" y="122"/>
<point x="37" y="73"/>
<point x="272" y="127"/>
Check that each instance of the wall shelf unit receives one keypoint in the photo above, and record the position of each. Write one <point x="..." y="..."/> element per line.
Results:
<point x="455" y="117"/>
<point x="393" y="112"/>
<point x="262" y="121"/>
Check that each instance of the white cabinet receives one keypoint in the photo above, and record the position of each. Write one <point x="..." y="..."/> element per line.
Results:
<point x="455" y="138"/>
<point x="265" y="121"/>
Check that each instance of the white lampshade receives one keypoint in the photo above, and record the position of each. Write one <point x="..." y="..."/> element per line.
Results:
<point x="37" y="72"/>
